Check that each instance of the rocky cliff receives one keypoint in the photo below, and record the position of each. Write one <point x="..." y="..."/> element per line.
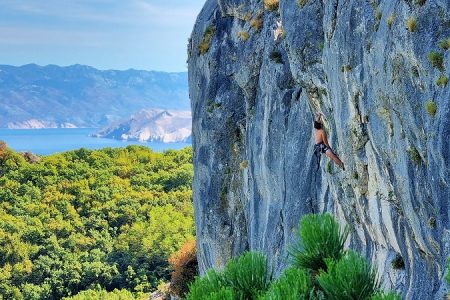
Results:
<point x="378" y="70"/>
<point x="152" y="125"/>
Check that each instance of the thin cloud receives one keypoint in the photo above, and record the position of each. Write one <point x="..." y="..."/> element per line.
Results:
<point x="145" y="32"/>
<point x="166" y="12"/>
<point x="137" y="12"/>
<point x="22" y="36"/>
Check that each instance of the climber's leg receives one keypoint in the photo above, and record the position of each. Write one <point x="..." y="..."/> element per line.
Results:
<point x="334" y="157"/>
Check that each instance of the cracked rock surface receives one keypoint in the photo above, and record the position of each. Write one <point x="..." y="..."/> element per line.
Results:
<point x="253" y="101"/>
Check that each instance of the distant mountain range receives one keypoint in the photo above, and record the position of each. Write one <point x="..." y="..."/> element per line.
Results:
<point x="33" y="96"/>
<point x="152" y="125"/>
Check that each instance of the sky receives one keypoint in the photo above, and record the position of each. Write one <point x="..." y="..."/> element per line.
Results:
<point x="105" y="34"/>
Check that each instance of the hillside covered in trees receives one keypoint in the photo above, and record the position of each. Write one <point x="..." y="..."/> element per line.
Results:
<point x="91" y="220"/>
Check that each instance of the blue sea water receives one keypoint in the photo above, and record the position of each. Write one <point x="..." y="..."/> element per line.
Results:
<point x="49" y="141"/>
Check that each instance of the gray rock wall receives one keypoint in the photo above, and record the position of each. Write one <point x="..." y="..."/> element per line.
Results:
<point x="253" y="102"/>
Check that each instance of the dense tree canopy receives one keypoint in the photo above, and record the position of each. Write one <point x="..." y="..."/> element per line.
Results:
<point x="101" y="220"/>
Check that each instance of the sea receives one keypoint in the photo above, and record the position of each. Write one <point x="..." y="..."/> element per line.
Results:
<point x="50" y="141"/>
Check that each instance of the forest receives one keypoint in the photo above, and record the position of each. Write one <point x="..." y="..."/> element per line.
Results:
<point x="86" y="223"/>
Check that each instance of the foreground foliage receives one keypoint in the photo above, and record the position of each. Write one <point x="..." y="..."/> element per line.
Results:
<point x="294" y="284"/>
<point x="248" y="275"/>
<point x="332" y="273"/>
<point x="244" y="277"/>
<point x="384" y="296"/>
<point x="351" y="277"/>
<point x="203" y="288"/>
<point x="99" y="220"/>
<point x="319" y="237"/>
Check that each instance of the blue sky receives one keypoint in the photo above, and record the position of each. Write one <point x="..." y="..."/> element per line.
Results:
<point x="106" y="34"/>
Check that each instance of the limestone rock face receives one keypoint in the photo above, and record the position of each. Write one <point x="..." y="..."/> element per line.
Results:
<point x="368" y="70"/>
<point x="160" y="125"/>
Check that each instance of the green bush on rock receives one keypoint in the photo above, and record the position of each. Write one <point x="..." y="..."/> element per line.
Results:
<point x="351" y="277"/>
<point x="445" y="44"/>
<point x="205" y="286"/>
<point x="319" y="237"/>
<point x="431" y="108"/>
<point x="437" y="60"/>
<point x="223" y="294"/>
<point x="208" y="36"/>
<point x="248" y="274"/>
<point x="293" y="284"/>
<point x="442" y="81"/>
<point x="386" y="296"/>
<point x="322" y="270"/>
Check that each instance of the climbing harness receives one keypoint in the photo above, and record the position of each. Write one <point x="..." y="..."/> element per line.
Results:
<point x="318" y="153"/>
<point x="319" y="149"/>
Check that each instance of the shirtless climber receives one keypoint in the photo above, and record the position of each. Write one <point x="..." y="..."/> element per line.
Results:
<point x="322" y="145"/>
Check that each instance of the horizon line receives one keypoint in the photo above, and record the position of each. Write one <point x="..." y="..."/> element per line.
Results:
<point x="84" y="65"/>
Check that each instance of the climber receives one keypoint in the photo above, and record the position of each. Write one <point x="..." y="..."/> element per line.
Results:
<point x="279" y="31"/>
<point x="322" y="145"/>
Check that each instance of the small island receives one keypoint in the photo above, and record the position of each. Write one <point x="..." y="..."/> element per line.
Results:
<point x="152" y="125"/>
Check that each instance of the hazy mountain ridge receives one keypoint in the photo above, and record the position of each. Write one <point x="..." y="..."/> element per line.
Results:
<point x="152" y="125"/>
<point x="33" y="96"/>
<point x="38" y="124"/>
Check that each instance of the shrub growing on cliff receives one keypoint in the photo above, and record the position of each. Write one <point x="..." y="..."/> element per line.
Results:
<point x="319" y="237"/>
<point x="294" y="284"/>
<point x="431" y="108"/>
<point x="243" y="165"/>
<point x="185" y="268"/>
<point x="414" y="155"/>
<point x="302" y="3"/>
<point x="442" y="81"/>
<point x="329" y="167"/>
<point x="321" y="46"/>
<point x="346" y="68"/>
<point x="271" y="4"/>
<point x="352" y="277"/>
<point x="378" y="14"/>
<point x="207" y="39"/>
<point x="437" y="60"/>
<point x="420" y="2"/>
<point x="398" y="262"/>
<point x="257" y="22"/>
<point x="243" y="35"/>
<point x="445" y="44"/>
<point x="390" y="21"/>
<point x="411" y="24"/>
